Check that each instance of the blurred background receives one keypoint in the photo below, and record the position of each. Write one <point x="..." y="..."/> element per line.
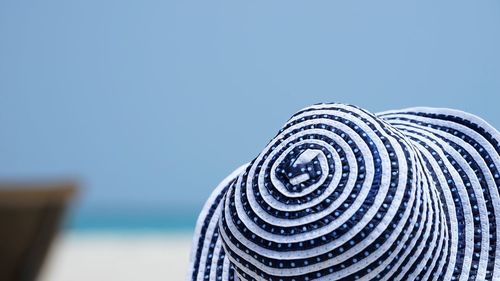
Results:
<point x="147" y="105"/>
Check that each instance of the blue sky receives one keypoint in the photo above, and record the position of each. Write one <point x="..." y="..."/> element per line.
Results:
<point x="151" y="103"/>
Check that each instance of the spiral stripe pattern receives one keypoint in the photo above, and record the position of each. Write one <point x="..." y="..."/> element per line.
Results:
<point x="343" y="194"/>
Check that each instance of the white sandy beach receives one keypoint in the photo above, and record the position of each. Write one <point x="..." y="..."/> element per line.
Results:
<point x="124" y="257"/>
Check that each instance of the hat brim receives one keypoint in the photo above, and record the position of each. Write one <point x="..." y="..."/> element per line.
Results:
<point x="208" y="260"/>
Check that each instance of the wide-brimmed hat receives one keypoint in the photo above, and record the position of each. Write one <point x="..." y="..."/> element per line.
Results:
<point x="344" y="194"/>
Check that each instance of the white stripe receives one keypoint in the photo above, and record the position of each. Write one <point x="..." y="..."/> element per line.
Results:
<point x="215" y="259"/>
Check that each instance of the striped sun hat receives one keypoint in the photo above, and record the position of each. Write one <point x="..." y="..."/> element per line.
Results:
<point x="344" y="194"/>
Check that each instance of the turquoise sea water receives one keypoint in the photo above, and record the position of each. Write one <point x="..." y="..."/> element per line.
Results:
<point x="131" y="221"/>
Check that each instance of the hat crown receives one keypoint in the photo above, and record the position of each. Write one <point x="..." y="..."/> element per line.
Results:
<point x="324" y="193"/>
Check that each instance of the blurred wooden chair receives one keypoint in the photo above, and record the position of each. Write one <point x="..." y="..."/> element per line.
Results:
<point x="30" y="217"/>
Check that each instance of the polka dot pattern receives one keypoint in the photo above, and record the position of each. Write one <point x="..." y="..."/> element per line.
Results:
<point x="343" y="194"/>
